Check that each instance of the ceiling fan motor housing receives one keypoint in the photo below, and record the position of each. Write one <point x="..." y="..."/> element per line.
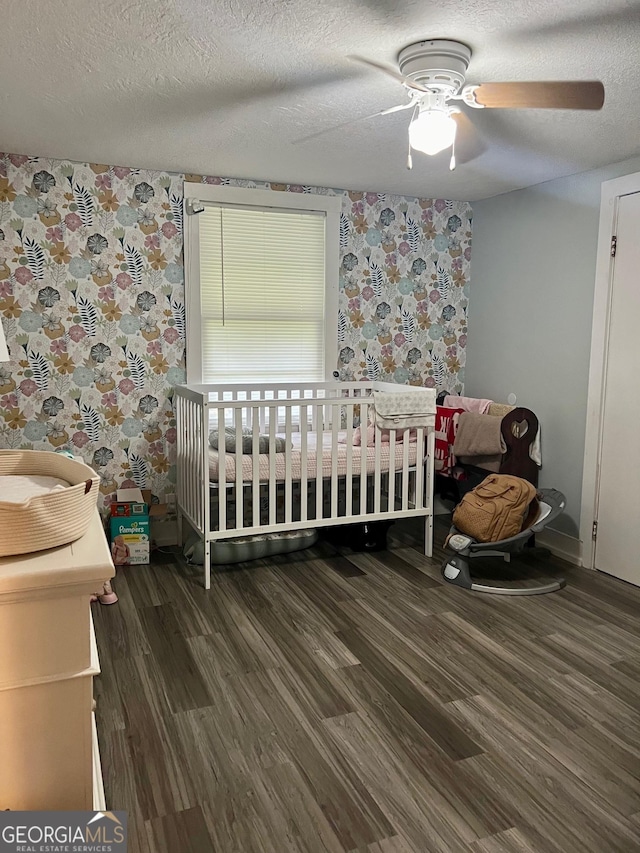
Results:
<point x="438" y="63"/>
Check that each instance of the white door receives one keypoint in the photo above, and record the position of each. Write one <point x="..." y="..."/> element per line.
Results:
<point x="617" y="546"/>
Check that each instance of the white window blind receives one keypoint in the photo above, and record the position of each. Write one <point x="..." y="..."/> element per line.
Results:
<point x="262" y="294"/>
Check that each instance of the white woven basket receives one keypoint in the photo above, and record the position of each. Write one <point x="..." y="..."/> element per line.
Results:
<point x="46" y="521"/>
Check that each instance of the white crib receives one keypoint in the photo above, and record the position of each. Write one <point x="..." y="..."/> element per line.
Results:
<point x="313" y="477"/>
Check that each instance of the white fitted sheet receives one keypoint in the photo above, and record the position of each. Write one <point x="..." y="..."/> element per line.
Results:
<point x="358" y="456"/>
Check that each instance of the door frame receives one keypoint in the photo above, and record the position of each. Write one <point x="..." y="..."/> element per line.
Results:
<point x="609" y="203"/>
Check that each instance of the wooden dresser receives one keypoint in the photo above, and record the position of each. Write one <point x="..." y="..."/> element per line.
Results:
<point x="48" y="659"/>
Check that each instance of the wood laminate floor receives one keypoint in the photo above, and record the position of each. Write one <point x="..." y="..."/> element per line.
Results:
<point x="338" y="701"/>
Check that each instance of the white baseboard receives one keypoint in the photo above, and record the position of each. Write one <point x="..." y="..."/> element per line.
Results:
<point x="561" y="545"/>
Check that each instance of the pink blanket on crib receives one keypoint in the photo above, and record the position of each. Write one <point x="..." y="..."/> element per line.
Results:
<point x="371" y="436"/>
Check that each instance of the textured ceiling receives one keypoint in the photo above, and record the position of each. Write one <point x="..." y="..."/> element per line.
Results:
<point x="226" y="87"/>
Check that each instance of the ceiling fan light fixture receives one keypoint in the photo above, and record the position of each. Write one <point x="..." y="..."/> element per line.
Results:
<point x="432" y="131"/>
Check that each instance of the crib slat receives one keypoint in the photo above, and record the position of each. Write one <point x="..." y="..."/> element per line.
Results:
<point x="392" y="469"/>
<point x="304" y="473"/>
<point x="197" y="507"/>
<point x="196" y="414"/>
<point x="405" y="474"/>
<point x="256" y="414"/>
<point x="194" y="460"/>
<point x="181" y="472"/>
<point x="204" y="516"/>
<point x="189" y="460"/>
<point x="334" y="461"/>
<point x="431" y="441"/>
<point x="318" y="413"/>
<point x="288" y="485"/>
<point x="179" y="445"/>
<point x="377" y="440"/>
<point x="428" y="531"/>
<point x="222" y="471"/>
<point x="348" y="480"/>
<point x="364" y="456"/>
<point x="184" y="456"/>
<point x="237" y="415"/>
<point x="183" y="463"/>
<point x="418" y="498"/>
<point x="273" y="416"/>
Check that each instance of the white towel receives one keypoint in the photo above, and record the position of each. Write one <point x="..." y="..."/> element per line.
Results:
<point x="535" y="451"/>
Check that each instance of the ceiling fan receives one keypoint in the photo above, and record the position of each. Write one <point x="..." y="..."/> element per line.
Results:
<point x="434" y="74"/>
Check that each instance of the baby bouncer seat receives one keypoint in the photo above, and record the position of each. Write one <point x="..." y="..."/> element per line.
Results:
<point x="456" y="568"/>
<point x="518" y="428"/>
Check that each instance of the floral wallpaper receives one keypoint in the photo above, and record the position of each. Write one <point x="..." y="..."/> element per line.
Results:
<point x="404" y="290"/>
<point x="92" y="302"/>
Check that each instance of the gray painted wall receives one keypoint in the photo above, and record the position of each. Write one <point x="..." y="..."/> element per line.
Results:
<point x="530" y="313"/>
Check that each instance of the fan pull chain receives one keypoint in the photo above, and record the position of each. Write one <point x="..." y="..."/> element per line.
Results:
<point x="452" y="162"/>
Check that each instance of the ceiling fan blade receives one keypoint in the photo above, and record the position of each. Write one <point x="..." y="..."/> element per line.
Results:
<point x="578" y="95"/>
<point x="408" y="106"/>
<point x="391" y="72"/>
<point x="469" y="144"/>
<point x="351" y="121"/>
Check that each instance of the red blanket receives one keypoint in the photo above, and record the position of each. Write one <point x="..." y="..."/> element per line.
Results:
<point x="446" y="427"/>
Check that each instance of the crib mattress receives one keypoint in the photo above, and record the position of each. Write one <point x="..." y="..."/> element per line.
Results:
<point x="358" y="459"/>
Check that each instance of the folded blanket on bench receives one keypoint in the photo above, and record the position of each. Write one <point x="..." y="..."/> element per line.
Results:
<point x="478" y="435"/>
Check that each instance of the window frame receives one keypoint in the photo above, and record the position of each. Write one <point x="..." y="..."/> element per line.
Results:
<point x="196" y="195"/>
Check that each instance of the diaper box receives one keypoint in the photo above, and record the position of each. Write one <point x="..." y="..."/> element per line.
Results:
<point x="129" y="528"/>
